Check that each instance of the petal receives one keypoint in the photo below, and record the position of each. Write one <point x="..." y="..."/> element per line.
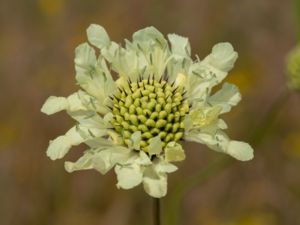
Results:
<point x="92" y="74"/>
<point x="220" y="142"/>
<point x="240" y="150"/>
<point x="155" y="184"/>
<point x="164" y="167"/>
<point x="222" y="57"/>
<point x="181" y="80"/>
<point x="180" y="46"/>
<point x="106" y="159"/>
<point x="60" y="146"/>
<point x="98" y="36"/>
<point x="227" y="97"/>
<point x="101" y="162"/>
<point x="83" y="163"/>
<point x="85" y="61"/>
<point x="135" y="140"/>
<point x="149" y="35"/>
<point x="128" y="176"/>
<point x="54" y="104"/>
<point x="155" y="146"/>
<point x="78" y="101"/>
<point x="174" y="152"/>
<point x="143" y="159"/>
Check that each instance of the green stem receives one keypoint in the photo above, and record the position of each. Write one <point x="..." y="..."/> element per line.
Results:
<point x="156" y="211"/>
<point x="224" y="162"/>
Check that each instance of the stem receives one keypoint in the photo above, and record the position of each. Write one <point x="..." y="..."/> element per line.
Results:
<point x="266" y="122"/>
<point x="156" y="211"/>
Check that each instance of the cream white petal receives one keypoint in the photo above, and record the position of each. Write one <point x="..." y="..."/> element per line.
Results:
<point x="203" y="116"/>
<point x="149" y="36"/>
<point x="240" y="150"/>
<point x="83" y="163"/>
<point x="180" y="46"/>
<point x="98" y="36"/>
<point x="110" y="52"/>
<point x="78" y="101"/>
<point x="108" y="155"/>
<point x="202" y="138"/>
<point x="92" y="74"/>
<point x="227" y="97"/>
<point x="135" y="140"/>
<point x="174" y="152"/>
<point x="220" y="142"/>
<point x="181" y="80"/>
<point x="101" y="161"/>
<point x="54" y="104"/>
<point x="165" y="167"/>
<point x="155" y="184"/>
<point x="60" y="146"/>
<point x="85" y="61"/>
<point x="91" y="120"/>
<point x="128" y="176"/>
<point x="143" y="159"/>
<point x="155" y="146"/>
<point x="222" y="57"/>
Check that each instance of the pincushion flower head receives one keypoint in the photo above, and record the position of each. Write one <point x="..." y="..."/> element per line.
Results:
<point x="136" y="123"/>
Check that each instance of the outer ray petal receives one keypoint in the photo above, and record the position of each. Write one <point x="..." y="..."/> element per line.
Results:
<point x="98" y="36"/>
<point x="180" y="46"/>
<point x="174" y="152"/>
<point x="108" y="157"/>
<point x="83" y="163"/>
<point x="221" y="143"/>
<point x="60" y="146"/>
<point x="92" y="74"/>
<point x="155" y="146"/>
<point x="128" y="176"/>
<point x="227" y="97"/>
<point x="155" y="184"/>
<point x="222" y="57"/>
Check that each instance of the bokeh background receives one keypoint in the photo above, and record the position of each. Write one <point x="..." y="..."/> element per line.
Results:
<point x="37" y="42"/>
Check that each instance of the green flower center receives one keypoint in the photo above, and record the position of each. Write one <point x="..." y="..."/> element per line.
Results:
<point x="151" y="107"/>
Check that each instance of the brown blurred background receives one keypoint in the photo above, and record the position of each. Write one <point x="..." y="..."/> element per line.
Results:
<point x="37" y="42"/>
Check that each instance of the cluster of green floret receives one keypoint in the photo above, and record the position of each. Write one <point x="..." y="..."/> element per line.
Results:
<point x="153" y="107"/>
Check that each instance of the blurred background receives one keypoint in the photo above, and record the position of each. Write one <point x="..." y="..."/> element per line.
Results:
<point x="37" y="42"/>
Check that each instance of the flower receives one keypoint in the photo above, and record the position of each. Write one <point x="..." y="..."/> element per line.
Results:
<point x="161" y="97"/>
<point x="293" y="69"/>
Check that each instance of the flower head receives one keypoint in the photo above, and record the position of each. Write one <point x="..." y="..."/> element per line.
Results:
<point x="161" y="97"/>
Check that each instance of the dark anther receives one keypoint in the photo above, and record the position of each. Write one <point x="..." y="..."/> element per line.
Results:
<point x="120" y="90"/>
<point x="175" y="90"/>
<point x="119" y="99"/>
<point x="160" y="80"/>
<point x="164" y="85"/>
<point x="109" y="107"/>
<point x="153" y="77"/>
<point x="167" y="79"/>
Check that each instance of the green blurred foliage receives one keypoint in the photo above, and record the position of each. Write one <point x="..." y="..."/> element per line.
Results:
<point x="37" y="42"/>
